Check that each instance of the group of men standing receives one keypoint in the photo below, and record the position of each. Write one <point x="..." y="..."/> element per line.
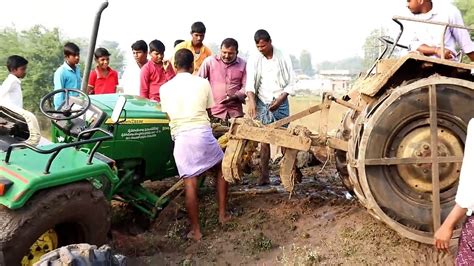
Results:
<point x="206" y="86"/>
<point x="265" y="79"/>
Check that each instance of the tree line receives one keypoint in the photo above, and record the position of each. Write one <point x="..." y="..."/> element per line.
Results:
<point x="43" y="48"/>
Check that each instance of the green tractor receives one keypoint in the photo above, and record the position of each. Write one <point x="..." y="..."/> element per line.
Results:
<point x="57" y="194"/>
<point x="104" y="147"/>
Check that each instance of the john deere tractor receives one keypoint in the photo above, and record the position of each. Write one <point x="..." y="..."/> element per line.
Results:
<point x="58" y="193"/>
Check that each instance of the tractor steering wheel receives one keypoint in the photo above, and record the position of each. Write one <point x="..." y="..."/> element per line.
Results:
<point x="65" y="112"/>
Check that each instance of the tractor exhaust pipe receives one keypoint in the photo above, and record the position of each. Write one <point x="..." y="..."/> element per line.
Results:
<point x="93" y="40"/>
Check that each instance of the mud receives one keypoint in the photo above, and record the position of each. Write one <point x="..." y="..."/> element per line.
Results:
<point x="320" y="224"/>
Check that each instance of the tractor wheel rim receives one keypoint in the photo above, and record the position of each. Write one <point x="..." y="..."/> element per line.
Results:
<point x="44" y="244"/>
<point x="417" y="144"/>
<point x="370" y="202"/>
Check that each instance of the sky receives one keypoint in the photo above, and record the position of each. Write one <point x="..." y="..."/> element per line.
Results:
<point x="329" y="30"/>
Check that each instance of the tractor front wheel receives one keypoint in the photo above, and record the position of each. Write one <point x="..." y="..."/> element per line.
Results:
<point x="74" y="213"/>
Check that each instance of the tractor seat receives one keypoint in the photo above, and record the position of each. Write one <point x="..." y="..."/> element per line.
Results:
<point x="17" y="125"/>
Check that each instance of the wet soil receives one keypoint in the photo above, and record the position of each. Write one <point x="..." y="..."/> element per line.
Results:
<point x="320" y="224"/>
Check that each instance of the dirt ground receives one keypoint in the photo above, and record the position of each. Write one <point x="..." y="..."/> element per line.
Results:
<point x="321" y="224"/>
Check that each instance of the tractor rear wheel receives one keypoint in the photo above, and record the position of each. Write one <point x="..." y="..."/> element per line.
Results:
<point x="395" y="162"/>
<point x="74" y="213"/>
<point x="83" y="255"/>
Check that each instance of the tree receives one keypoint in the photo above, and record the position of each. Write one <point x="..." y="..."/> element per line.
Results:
<point x="305" y="62"/>
<point x="467" y="10"/>
<point x="353" y="64"/>
<point x="43" y="49"/>
<point x="116" y="55"/>
<point x="373" y="47"/>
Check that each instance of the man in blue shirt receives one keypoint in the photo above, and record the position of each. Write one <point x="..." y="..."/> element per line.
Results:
<point x="68" y="75"/>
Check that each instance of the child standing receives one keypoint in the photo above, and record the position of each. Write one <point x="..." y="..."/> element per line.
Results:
<point x="131" y="74"/>
<point x="156" y="72"/>
<point x="68" y="75"/>
<point x="102" y="79"/>
<point x="10" y="91"/>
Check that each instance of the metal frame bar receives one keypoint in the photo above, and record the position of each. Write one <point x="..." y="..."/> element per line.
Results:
<point x="57" y="149"/>
<point x="412" y="160"/>
<point x="434" y="157"/>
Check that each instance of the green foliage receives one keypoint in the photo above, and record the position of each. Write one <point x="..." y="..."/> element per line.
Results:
<point x="353" y="64"/>
<point x="373" y="47"/>
<point x="260" y="243"/>
<point x="305" y="63"/>
<point x="467" y="10"/>
<point x="43" y="49"/>
<point x="116" y="55"/>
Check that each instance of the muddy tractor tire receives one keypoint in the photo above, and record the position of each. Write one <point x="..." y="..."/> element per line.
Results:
<point x="77" y="213"/>
<point x="82" y="255"/>
<point x="394" y="154"/>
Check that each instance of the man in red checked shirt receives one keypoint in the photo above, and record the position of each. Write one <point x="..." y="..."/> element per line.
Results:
<point x="102" y="79"/>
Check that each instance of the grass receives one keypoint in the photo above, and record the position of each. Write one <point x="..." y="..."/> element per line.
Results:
<point x="299" y="255"/>
<point x="260" y="243"/>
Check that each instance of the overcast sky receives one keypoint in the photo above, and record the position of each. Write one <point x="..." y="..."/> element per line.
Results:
<point x="330" y="30"/>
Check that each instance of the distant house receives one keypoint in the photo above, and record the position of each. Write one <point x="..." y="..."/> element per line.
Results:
<point x="334" y="81"/>
<point x="340" y="78"/>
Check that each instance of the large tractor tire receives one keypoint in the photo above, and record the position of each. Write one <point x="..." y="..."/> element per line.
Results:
<point x="82" y="255"/>
<point x="400" y="191"/>
<point x="74" y="213"/>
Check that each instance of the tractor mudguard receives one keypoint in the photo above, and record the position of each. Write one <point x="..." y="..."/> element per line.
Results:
<point x="390" y="73"/>
<point x="26" y="170"/>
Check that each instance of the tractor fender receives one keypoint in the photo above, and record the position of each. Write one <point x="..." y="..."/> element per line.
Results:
<point x="392" y="73"/>
<point x="26" y="171"/>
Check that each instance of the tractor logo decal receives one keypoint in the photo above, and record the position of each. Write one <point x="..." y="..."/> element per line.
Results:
<point x="141" y="133"/>
<point x="141" y="121"/>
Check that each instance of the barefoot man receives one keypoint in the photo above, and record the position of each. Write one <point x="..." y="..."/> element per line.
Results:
<point x="187" y="100"/>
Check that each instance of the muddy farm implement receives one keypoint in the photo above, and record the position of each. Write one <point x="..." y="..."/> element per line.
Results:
<point x="400" y="145"/>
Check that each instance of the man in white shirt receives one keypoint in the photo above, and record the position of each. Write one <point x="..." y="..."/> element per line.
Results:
<point x="187" y="99"/>
<point x="130" y="82"/>
<point x="427" y="37"/>
<point x="270" y="80"/>
<point x="10" y="92"/>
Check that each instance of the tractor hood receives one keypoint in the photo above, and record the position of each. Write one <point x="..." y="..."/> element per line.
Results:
<point x="136" y="107"/>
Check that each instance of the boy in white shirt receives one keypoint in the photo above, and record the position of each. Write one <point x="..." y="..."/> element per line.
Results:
<point x="10" y="92"/>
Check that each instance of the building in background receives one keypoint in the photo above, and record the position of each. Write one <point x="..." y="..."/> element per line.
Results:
<point x="337" y="81"/>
